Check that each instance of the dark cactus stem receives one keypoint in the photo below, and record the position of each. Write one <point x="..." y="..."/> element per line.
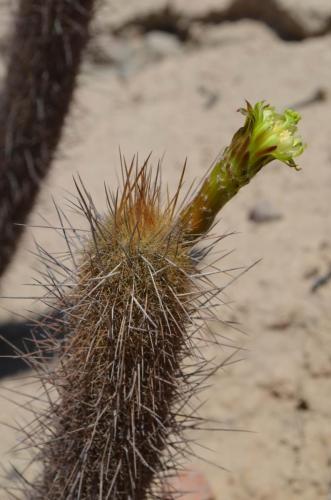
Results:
<point x="46" y="51"/>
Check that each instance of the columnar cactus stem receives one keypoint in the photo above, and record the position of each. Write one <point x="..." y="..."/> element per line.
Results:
<point x="45" y="54"/>
<point x="132" y="301"/>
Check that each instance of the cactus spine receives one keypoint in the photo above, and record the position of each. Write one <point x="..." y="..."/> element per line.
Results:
<point x="45" y="54"/>
<point x="133" y="300"/>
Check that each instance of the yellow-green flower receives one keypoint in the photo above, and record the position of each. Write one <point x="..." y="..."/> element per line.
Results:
<point x="265" y="136"/>
<point x="273" y="134"/>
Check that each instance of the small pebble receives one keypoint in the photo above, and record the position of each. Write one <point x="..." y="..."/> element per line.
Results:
<point x="263" y="211"/>
<point x="161" y="44"/>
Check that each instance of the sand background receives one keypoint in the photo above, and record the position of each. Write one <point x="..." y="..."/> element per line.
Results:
<point x="167" y="77"/>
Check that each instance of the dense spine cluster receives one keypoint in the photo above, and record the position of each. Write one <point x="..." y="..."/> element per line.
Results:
<point x="123" y="377"/>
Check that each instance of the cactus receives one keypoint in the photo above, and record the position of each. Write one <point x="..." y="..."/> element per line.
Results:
<point x="134" y="299"/>
<point x="44" y="60"/>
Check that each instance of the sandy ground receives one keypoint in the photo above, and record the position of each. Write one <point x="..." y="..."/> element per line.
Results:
<point x="173" y="88"/>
